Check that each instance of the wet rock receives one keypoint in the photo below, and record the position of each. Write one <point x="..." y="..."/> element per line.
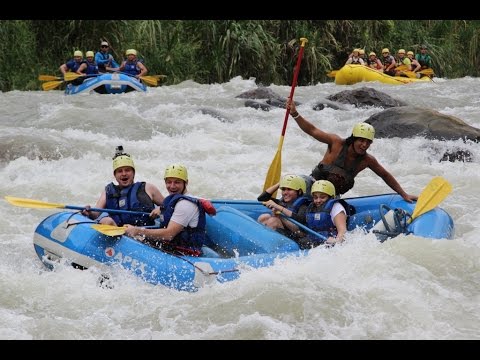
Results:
<point x="258" y="105"/>
<point x="272" y="99"/>
<point x="457" y="155"/>
<point x="366" y="96"/>
<point x="410" y="121"/>
<point x="324" y="103"/>
<point x="216" y="114"/>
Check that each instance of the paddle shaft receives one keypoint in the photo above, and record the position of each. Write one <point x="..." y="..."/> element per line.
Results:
<point x="110" y="211"/>
<point x="301" y="226"/>
<point x="273" y="174"/>
<point x="304" y="228"/>
<point x="294" y="84"/>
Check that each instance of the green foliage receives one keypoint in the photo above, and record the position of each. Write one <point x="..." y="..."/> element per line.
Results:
<point x="17" y="56"/>
<point x="209" y="51"/>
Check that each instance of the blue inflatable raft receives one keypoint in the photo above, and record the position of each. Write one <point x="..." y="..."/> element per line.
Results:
<point x="234" y="240"/>
<point x="109" y="83"/>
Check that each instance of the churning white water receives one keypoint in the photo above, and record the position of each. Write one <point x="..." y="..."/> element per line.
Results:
<point x="58" y="148"/>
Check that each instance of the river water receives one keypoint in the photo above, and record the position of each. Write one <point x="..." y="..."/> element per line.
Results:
<point x="58" y="149"/>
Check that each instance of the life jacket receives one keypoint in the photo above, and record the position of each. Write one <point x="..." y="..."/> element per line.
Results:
<point x="132" y="198"/>
<point x="424" y="60"/>
<point x="131" y="68"/>
<point x="73" y="66"/>
<point x="341" y="177"/>
<point x="387" y="60"/>
<point x="373" y="64"/>
<point x="92" y="68"/>
<point x="320" y="221"/>
<point x="356" y="60"/>
<point x="295" y="206"/>
<point x="188" y="238"/>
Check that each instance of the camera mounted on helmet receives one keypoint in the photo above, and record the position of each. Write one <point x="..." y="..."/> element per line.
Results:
<point x="119" y="152"/>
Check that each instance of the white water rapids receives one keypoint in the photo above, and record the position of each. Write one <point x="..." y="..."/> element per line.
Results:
<point x="58" y="148"/>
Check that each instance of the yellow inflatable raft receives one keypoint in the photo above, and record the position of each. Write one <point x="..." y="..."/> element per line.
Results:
<point x="352" y="74"/>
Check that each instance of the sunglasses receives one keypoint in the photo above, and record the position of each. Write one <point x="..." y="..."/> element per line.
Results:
<point x="104" y="46"/>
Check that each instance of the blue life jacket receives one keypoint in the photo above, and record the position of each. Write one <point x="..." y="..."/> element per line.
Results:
<point x="92" y="68"/>
<point x="297" y="204"/>
<point x="189" y="237"/>
<point x="73" y="66"/>
<point x="131" y="68"/>
<point x="320" y="221"/>
<point x="102" y="59"/>
<point x="132" y="198"/>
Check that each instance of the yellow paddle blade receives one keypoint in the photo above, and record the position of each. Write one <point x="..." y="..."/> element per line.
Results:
<point x="69" y="76"/>
<point x="401" y="67"/>
<point x="428" y="72"/>
<point x="50" y="85"/>
<point x="433" y="194"/>
<point x="273" y="174"/>
<point x="149" y="80"/>
<point x="158" y="77"/>
<point x="29" y="203"/>
<point x="109" y="230"/>
<point x="410" y="74"/>
<point x="332" y="73"/>
<point x="48" y="77"/>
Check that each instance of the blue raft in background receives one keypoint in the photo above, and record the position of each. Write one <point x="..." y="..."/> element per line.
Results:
<point x="108" y="83"/>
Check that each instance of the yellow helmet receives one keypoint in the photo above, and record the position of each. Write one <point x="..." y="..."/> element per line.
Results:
<point x="401" y="51"/>
<point x="361" y="51"/>
<point x="323" y="186"/>
<point x="177" y="171"/>
<point x="131" y="52"/>
<point x="410" y="53"/>
<point x="123" y="160"/>
<point x="78" y="53"/>
<point x="372" y="53"/>
<point x="293" y="182"/>
<point x="89" y="54"/>
<point x="385" y="50"/>
<point x="363" y="130"/>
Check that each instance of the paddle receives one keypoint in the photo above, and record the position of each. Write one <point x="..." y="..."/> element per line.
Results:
<point x="37" y="204"/>
<point x="112" y="230"/>
<point x="412" y="74"/>
<point x="300" y="225"/>
<point x="304" y="228"/>
<point x="48" y="77"/>
<point x="149" y="80"/>
<point x="50" y="85"/>
<point x="109" y="230"/>
<point x="428" y="72"/>
<point x="409" y="74"/>
<point x="433" y="194"/>
<point x="273" y="174"/>
<point x="332" y="73"/>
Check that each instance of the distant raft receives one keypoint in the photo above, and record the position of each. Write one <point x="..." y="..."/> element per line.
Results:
<point x="113" y="83"/>
<point x="352" y="74"/>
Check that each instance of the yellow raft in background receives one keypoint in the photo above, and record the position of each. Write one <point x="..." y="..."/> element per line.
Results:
<point x="352" y="74"/>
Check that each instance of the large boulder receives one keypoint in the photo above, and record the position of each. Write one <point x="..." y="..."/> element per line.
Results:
<point x="269" y="97"/>
<point x="215" y="114"/>
<point x="324" y="103"/>
<point x="260" y="93"/>
<point x="366" y="96"/>
<point x="410" y="121"/>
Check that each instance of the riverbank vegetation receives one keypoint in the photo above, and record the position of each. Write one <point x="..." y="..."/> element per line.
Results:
<point x="214" y="51"/>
